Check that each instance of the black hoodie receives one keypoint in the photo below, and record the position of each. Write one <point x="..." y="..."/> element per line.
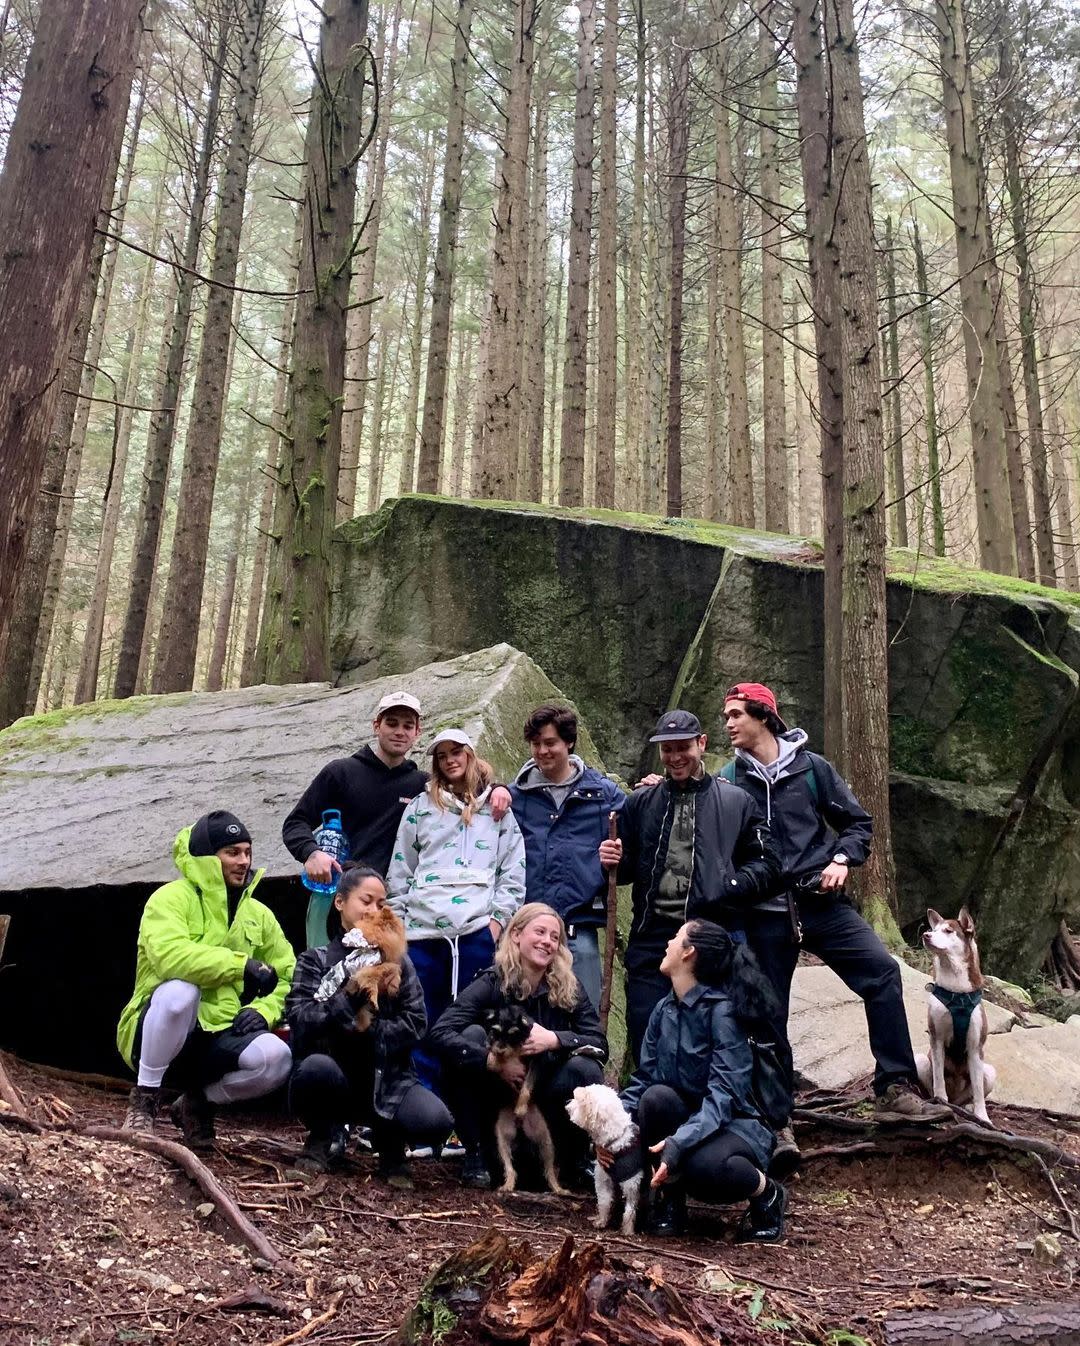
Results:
<point x="371" y="797"/>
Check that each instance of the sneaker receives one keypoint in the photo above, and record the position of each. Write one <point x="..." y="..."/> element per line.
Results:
<point x="764" y="1218"/>
<point x="452" y="1147"/>
<point x="667" y="1213"/>
<point x="395" y="1173"/>
<point x="336" y="1146"/>
<point x="419" y="1152"/>
<point x="474" y="1172"/>
<point x="315" y="1156"/>
<point x="364" y="1139"/>
<point x="142" y="1109"/>
<point x="786" y="1155"/>
<point x="901" y="1103"/>
<point x="193" y="1115"/>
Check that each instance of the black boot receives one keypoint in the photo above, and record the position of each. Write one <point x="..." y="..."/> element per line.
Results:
<point x="764" y="1218"/>
<point x="193" y="1115"/>
<point x="474" y="1171"/>
<point x="142" y="1109"/>
<point x="667" y="1214"/>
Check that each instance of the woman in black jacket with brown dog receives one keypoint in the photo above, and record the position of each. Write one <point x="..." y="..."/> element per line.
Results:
<point x="533" y="970"/>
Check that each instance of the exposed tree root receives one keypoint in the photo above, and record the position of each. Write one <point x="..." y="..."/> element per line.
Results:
<point x="1062" y="963"/>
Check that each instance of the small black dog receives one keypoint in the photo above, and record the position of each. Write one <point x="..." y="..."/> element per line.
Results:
<point x="507" y="1030"/>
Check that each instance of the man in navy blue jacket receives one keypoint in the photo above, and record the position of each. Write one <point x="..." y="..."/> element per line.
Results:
<point x="562" y="808"/>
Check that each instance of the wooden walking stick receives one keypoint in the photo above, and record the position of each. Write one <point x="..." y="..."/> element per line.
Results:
<point x="609" y="939"/>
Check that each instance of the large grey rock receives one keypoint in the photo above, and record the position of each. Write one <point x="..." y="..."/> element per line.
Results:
<point x="94" y="796"/>
<point x="1038" y="1066"/>
<point x="630" y="615"/>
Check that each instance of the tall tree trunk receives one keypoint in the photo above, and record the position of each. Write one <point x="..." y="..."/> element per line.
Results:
<point x="1063" y="511"/>
<point x="174" y="665"/>
<point x="773" y="408"/>
<point x="715" y="367"/>
<point x="572" y="438"/>
<point x="897" y="476"/>
<point x="659" y="274"/>
<point x="433" y="429"/>
<point x="607" y="242"/>
<point x="462" y="403"/>
<point x="56" y="163"/>
<point x="531" y="475"/>
<point x="997" y="547"/>
<point x="807" y="437"/>
<point x="926" y="351"/>
<point x="407" y="477"/>
<point x="819" y="189"/>
<point x="633" y="464"/>
<point x="297" y="632"/>
<point x="216" y="669"/>
<point x="865" y="668"/>
<point x="159" y="444"/>
<point x="678" y="149"/>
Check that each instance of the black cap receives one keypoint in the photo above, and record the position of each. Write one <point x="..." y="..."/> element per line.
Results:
<point x="676" y="724"/>
<point x="216" y="830"/>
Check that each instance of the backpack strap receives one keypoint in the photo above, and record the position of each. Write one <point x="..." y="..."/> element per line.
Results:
<point x="728" y="771"/>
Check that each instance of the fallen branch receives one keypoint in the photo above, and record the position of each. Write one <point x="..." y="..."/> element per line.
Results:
<point x="315" y="1323"/>
<point x="1003" y="1325"/>
<point x="207" y="1183"/>
<point x="1069" y="1215"/>
<point x="112" y="1083"/>
<point x="11" y="1096"/>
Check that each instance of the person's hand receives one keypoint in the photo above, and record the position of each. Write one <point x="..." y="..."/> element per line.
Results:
<point x="604" y="1158"/>
<point x="320" y="867"/>
<point x="249" y="1021"/>
<point x="540" y="1039"/>
<point x="357" y="996"/>
<point x="500" y="803"/>
<point x="833" y="876"/>
<point x="510" y="1068"/>
<point x="653" y="778"/>
<point x="259" y="979"/>
<point x="661" y="1175"/>
<point x="495" y="928"/>
<point x="610" y="853"/>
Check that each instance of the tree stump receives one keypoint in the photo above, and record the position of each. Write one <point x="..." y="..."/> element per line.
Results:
<point x="492" y="1293"/>
<point x="1005" y="1325"/>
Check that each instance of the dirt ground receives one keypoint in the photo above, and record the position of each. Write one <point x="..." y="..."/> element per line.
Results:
<point x="102" y="1244"/>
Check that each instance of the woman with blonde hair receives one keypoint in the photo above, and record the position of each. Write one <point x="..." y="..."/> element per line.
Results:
<point x="533" y="970"/>
<point x="455" y="878"/>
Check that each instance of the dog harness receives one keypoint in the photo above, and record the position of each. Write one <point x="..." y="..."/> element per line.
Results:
<point x="961" y="1006"/>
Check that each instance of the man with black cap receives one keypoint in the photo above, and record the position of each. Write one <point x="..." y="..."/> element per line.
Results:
<point x="211" y="976"/>
<point x="692" y="845"/>
<point x="823" y="832"/>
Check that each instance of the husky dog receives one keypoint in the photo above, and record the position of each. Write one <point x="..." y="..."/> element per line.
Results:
<point x="598" y="1111"/>
<point x="507" y="1029"/>
<point x="956" y="1020"/>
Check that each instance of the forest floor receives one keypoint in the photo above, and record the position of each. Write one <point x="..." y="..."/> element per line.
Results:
<point x="100" y="1243"/>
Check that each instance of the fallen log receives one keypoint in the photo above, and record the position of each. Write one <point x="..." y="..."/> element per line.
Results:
<point x="1002" y="1325"/>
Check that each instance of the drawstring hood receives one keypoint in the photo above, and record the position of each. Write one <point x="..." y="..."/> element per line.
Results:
<point x="770" y="773"/>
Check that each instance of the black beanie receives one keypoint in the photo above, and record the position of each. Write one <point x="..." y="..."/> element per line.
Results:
<point x="216" y="830"/>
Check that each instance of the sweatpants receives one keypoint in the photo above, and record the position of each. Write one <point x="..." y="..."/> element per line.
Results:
<point x="445" y="967"/>
<point x="229" y="1067"/>
<point x="722" y="1169"/>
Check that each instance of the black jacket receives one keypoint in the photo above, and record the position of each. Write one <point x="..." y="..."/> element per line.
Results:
<point x="329" y="1026"/>
<point x="371" y="797"/>
<point x="579" y="1027"/>
<point x="813" y="815"/>
<point x="735" y="864"/>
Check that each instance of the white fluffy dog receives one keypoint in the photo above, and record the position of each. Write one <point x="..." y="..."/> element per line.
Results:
<point x="598" y="1111"/>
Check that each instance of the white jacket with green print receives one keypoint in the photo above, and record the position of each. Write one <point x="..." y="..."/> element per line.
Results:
<point x="448" y="879"/>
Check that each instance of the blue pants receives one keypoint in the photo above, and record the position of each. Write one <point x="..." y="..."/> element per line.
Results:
<point x="434" y="963"/>
<point x="584" y="946"/>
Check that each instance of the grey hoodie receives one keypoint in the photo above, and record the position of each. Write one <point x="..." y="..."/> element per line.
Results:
<point x="530" y="777"/>
<point x="789" y="744"/>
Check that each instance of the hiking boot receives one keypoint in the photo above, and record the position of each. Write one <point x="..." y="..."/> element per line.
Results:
<point x="142" y="1109"/>
<point x="667" y="1214"/>
<point x="764" y="1218"/>
<point x="474" y="1172"/>
<point x="901" y="1103"/>
<point x="337" y="1145"/>
<point x="452" y="1147"/>
<point x="786" y="1155"/>
<point x="395" y="1173"/>
<point x="193" y="1116"/>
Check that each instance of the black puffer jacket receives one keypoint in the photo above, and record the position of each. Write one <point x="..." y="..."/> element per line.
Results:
<point x="329" y="1026"/>
<point x="735" y="861"/>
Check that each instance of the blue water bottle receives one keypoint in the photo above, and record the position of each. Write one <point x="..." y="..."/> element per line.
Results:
<point x="330" y="838"/>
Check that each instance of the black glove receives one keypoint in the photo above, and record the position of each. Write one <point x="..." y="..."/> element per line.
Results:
<point x="259" y="979"/>
<point x="249" y="1021"/>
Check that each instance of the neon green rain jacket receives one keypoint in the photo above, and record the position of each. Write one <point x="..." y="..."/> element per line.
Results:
<point x="184" y="935"/>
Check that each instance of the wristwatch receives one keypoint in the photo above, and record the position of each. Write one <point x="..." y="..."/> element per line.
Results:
<point x="840" y="858"/>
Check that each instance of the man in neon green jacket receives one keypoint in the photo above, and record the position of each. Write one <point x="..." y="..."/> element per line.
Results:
<point x="212" y="974"/>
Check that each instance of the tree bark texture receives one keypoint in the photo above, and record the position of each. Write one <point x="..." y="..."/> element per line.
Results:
<point x="56" y="165"/>
<point x="174" y="664"/>
<point x="897" y="475"/>
<point x="572" y="439"/>
<point x="1001" y="1325"/>
<point x="215" y="672"/>
<point x="297" y="636"/>
<point x="997" y="547"/>
<point x="531" y="466"/>
<point x="433" y="425"/>
<point x="607" y="237"/>
<point x="678" y="149"/>
<point x="773" y="408"/>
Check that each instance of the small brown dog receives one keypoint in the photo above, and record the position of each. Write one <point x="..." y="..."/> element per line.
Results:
<point x="507" y="1029"/>
<point x="384" y="932"/>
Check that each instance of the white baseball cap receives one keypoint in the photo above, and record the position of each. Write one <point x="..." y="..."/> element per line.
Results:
<point x="450" y="736"/>
<point x="396" y="700"/>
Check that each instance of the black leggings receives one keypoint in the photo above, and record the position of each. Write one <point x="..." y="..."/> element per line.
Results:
<point x="722" y="1169"/>
<point x="323" y="1095"/>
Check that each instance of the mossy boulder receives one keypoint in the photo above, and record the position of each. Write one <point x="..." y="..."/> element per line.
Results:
<point x="630" y="615"/>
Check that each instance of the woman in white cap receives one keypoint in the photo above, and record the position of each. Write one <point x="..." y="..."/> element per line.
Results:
<point x="456" y="877"/>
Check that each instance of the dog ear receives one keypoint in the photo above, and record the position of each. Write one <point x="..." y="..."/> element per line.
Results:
<point x="967" y="925"/>
<point x="935" y="918"/>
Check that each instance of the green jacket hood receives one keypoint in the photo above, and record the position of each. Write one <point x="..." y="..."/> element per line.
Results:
<point x="204" y="871"/>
